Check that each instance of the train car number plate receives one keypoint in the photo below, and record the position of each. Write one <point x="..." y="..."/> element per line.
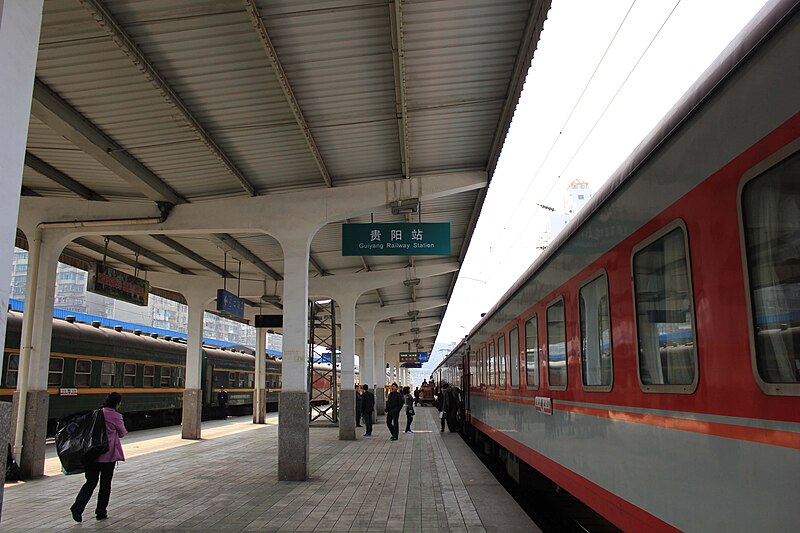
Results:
<point x="68" y="392"/>
<point x="543" y="405"/>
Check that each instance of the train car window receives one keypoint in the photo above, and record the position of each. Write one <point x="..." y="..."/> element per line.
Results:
<point x="180" y="379"/>
<point x="55" y="373"/>
<point x="231" y="380"/>
<point x="166" y="376"/>
<point x="770" y="212"/>
<point x="242" y="380"/>
<point x="129" y="375"/>
<point x="596" y="352"/>
<point x="251" y="379"/>
<point x="501" y="359"/>
<point x="664" y="312"/>
<point x="484" y="367"/>
<point x="12" y="370"/>
<point x="83" y="373"/>
<point x="107" y="374"/>
<point x="556" y="346"/>
<point x="532" y="353"/>
<point x="492" y="365"/>
<point x="149" y="376"/>
<point x="513" y="352"/>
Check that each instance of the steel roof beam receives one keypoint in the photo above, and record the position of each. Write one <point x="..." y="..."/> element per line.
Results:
<point x="181" y="249"/>
<point x="132" y="246"/>
<point x="226" y="242"/>
<point x="124" y="41"/>
<point x="52" y="173"/>
<point x="51" y="109"/>
<point x="401" y="104"/>
<point x="314" y="263"/>
<point x="258" y="22"/>
<point x="100" y="249"/>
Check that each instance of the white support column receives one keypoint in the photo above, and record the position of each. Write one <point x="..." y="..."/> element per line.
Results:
<point x="33" y="403"/>
<point x="20" y="22"/>
<point x="347" y="394"/>
<point x="193" y="393"/>
<point x="293" y="438"/>
<point x="259" y="390"/>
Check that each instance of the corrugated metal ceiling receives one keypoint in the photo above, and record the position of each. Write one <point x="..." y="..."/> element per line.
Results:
<point x="463" y="64"/>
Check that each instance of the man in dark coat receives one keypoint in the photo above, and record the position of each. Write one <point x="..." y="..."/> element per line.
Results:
<point x="367" y="406"/>
<point x="222" y="399"/>
<point x="417" y="393"/>
<point x="358" y="407"/>
<point x="394" y="403"/>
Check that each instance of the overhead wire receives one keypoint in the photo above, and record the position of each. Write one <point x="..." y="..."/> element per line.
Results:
<point x="638" y="61"/>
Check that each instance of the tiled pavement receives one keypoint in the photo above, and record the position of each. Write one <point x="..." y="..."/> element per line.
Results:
<point x="428" y="481"/>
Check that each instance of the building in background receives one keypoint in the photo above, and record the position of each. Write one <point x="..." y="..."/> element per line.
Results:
<point x="578" y="195"/>
<point x="71" y="294"/>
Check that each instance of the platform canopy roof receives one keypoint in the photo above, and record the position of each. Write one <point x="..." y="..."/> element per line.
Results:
<point x="190" y="100"/>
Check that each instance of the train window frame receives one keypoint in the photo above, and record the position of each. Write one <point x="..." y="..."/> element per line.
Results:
<point x="83" y="373"/>
<point x="52" y="372"/>
<point x="602" y="273"/>
<point x="180" y="377"/>
<point x="513" y="355"/>
<point x="484" y="367"/>
<point x="126" y="374"/>
<point x="492" y="366"/>
<point x="533" y="319"/>
<point x="9" y="356"/>
<point x="152" y="376"/>
<point x="162" y="376"/>
<point x="768" y="165"/>
<point x="563" y="303"/>
<point x="104" y="373"/>
<point x="502" y="357"/>
<point x="688" y="388"/>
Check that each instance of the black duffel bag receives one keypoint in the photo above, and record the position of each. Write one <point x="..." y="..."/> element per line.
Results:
<point x="80" y="439"/>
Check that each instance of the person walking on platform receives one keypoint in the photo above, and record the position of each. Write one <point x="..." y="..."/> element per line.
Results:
<point x="417" y="394"/>
<point x="222" y="399"/>
<point x="409" y="402"/>
<point x="103" y="468"/>
<point x="442" y="403"/>
<point x="394" y="403"/>
<point x="358" y="406"/>
<point x="367" y="406"/>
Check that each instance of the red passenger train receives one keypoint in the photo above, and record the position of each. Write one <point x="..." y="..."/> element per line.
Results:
<point x="649" y="361"/>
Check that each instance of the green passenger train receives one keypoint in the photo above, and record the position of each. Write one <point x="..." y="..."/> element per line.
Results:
<point x="89" y="361"/>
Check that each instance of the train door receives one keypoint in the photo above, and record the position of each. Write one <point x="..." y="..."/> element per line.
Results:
<point x="467" y="367"/>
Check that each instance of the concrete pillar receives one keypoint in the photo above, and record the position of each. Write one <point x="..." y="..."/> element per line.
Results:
<point x="347" y="395"/>
<point x="259" y="390"/>
<point x="293" y="409"/>
<point x="32" y="405"/>
<point x="193" y="393"/>
<point x="5" y="424"/>
<point x="20" y="22"/>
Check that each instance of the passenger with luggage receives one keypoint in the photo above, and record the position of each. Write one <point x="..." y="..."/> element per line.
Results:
<point x="367" y="406"/>
<point x="102" y="469"/>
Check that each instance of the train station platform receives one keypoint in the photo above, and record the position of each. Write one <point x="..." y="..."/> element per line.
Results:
<point x="426" y="481"/>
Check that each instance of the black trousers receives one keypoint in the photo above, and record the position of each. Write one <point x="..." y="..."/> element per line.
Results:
<point x="368" y="422"/>
<point x="392" y="421"/>
<point x="358" y="414"/>
<point x="94" y="471"/>
<point x="409" y="419"/>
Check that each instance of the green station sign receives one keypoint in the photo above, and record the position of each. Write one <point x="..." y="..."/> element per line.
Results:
<point x="409" y="357"/>
<point x="402" y="238"/>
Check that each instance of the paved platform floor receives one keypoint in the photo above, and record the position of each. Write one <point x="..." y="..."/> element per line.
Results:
<point x="426" y="481"/>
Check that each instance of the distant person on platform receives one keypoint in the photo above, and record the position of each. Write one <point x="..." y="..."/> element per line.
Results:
<point x="103" y="468"/>
<point x="450" y="405"/>
<point x="367" y="406"/>
<point x="394" y="403"/>
<point x="424" y="382"/>
<point x="358" y="406"/>
<point x="417" y="393"/>
<point x="408" y="399"/>
<point x="222" y="399"/>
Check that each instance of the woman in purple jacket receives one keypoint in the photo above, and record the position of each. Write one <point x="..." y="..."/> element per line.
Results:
<point x="103" y="469"/>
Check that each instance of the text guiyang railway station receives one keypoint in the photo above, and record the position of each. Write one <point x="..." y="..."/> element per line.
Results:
<point x="402" y="238"/>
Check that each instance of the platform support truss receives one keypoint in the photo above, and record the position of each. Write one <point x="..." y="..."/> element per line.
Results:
<point x="322" y="382"/>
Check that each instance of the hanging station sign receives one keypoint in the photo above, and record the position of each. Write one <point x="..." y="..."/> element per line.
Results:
<point x="402" y="238"/>
<point x="409" y="357"/>
<point x="118" y="285"/>
<point x="229" y="304"/>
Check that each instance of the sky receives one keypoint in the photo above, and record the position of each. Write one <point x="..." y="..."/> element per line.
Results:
<point x="602" y="77"/>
